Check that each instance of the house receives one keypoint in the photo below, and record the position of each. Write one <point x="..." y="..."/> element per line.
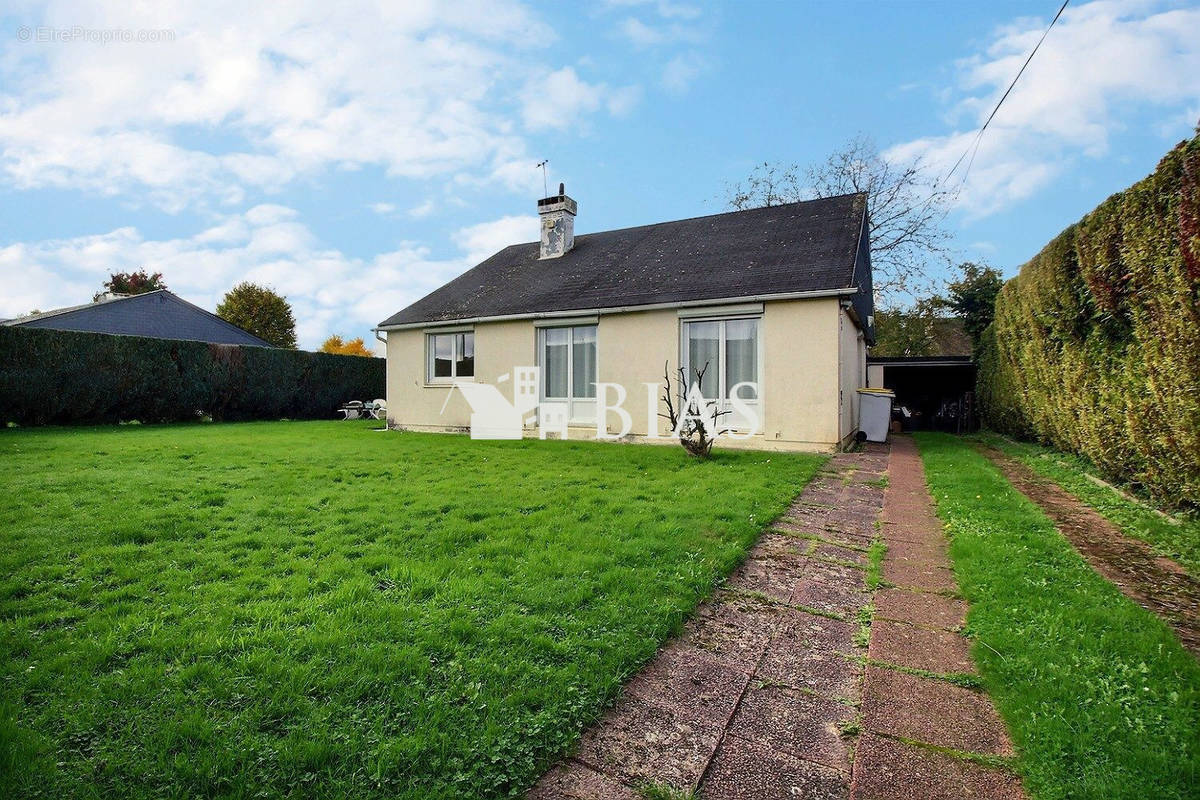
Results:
<point x="780" y="297"/>
<point x="159" y="315"/>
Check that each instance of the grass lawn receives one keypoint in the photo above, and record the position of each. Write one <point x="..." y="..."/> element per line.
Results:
<point x="318" y="609"/>
<point x="1176" y="537"/>
<point x="1100" y="697"/>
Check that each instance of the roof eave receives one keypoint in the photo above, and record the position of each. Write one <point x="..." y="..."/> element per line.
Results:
<point x="581" y="312"/>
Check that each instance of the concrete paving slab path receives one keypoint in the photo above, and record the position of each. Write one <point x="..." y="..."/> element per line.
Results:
<point x="923" y="734"/>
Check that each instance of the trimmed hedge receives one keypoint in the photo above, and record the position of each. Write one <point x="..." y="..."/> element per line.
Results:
<point x="49" y="376"/>
<point x="1095" y="347"/>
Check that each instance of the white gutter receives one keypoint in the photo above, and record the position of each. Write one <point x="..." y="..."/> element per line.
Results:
<point x="583" y="312"/>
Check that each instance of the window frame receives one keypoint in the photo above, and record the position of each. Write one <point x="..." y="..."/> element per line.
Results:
<point x="580" y="410"/>
<point x="455" y="356"/>
<point x="722" y="361"/>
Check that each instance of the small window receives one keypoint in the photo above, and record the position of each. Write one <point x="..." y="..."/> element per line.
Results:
<point x="451" y="355"/>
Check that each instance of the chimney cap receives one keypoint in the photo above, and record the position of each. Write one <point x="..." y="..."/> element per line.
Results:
<point x="558" y="202"/>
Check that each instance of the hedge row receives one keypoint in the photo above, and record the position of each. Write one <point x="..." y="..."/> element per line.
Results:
<point x="1095" y="347"/>
<point x="49" y="376"/>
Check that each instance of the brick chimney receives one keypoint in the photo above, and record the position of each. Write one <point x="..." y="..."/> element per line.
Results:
<point x="558" y="223"/>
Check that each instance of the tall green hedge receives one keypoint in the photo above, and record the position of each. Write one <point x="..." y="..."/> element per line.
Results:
<point x="49" y="376"/>
<point x="1095" y="347"/>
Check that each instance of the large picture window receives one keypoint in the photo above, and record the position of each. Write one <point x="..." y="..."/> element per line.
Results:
<point x="568" y="361"/>
<point x="728" y="352"/>
<point x="450" y="356"/>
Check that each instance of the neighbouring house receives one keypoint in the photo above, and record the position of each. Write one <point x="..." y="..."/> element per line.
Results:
<point x="778" y="296"/>
<point x="159" y="315"/>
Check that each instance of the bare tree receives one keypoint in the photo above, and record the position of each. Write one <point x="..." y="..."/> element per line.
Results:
<point x="694" y="434"/>
<point x="907" y="207"/>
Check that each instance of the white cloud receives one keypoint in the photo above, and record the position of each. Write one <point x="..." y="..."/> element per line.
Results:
<point x="557" y="100"/>
<point x="382" y="209"/>
<point x="675" y="24"/>
<point x="664" y="8"/>
<point x="487" y="238"/>
<point x="1103" y="61"/>
<point x="681" y="70"/>
<point x="418" y="89"/>
<point x="330" y="292"/>
<point x="640" y="33"/>
<point x="422" y="210"/>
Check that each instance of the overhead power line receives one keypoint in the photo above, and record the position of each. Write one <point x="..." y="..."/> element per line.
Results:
<point x="974" y="146"/>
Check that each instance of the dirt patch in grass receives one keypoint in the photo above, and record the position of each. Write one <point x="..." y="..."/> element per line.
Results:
<point x="1154" y="582"/>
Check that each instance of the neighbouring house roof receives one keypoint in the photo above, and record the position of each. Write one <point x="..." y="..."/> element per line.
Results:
<point x="159" y="315"/>
<point x="813" y="246"/>
<point x="922" y="361"/>
<point x="950" y="337"/>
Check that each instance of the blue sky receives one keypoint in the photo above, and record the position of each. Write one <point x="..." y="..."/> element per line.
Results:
<point x="355" y="159"/>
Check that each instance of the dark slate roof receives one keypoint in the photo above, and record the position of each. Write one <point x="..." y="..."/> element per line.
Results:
<point x="798" y="247"/>
<point x="159" y="315"/>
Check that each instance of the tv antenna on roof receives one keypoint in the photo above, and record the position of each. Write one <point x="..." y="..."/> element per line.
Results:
<point x="542" y="164"/>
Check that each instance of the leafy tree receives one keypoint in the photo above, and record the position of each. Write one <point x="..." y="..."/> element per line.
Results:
<point x="907" y="207"/>
<point x="907" y="331"/>
<point x="973" y="298"/>
<point x="354" y="347"/>
<point x="260" y="311"/>
<point x="138" y="282"/>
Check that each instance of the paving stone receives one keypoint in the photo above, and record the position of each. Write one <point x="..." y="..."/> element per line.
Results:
<point x="691" y="683"/>
<point x="914" y="575"/>
<point x="933" y="552"/>
<point x="866" y="495"/>
<point x="744" y="770"/>
<point x="828" y="596"/>
<point x="932" y="711"/>
<point x="803" y="653"/>
<point x="802" y="513"/>
<point x="775" y="579"/>
<point x="834" y="573"/>
<point x="779" y="546"/>
<point x="804" y="725"/>
<point x="833" y="552"/>
<point x="865" y="475"/>
<point x="571" y="780"/>
<point x="901" y="527"/>
<point x="733" y="630"/>
<point x="919" y="648"/>
<point x="852" y="523"/>
<point x="823" y="532"/>
<point x="920" y="608"/>
<point x="826" y="495"/>
<point x="885" y="769"/>
<point x="638" y="741"/>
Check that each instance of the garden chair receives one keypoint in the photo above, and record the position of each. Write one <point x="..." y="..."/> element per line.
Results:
<point x="377" y="409"/>
<point x="353" y="410"/>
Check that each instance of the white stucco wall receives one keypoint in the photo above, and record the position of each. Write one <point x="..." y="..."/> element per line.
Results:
<point x="802" y="364"/>
<point x="852" y="357"/>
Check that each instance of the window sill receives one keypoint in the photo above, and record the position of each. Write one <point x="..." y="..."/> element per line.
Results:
<point x="446" y="383"/>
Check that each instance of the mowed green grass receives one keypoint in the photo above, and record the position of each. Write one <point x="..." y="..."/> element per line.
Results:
<point x="1176" y="537"/>
<point x="318" y="609"/>
<point x="1100" y="697"/>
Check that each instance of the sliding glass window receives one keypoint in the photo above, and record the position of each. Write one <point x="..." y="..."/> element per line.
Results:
<point x="569" y="369"/>
<point x="727" y="350"/>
